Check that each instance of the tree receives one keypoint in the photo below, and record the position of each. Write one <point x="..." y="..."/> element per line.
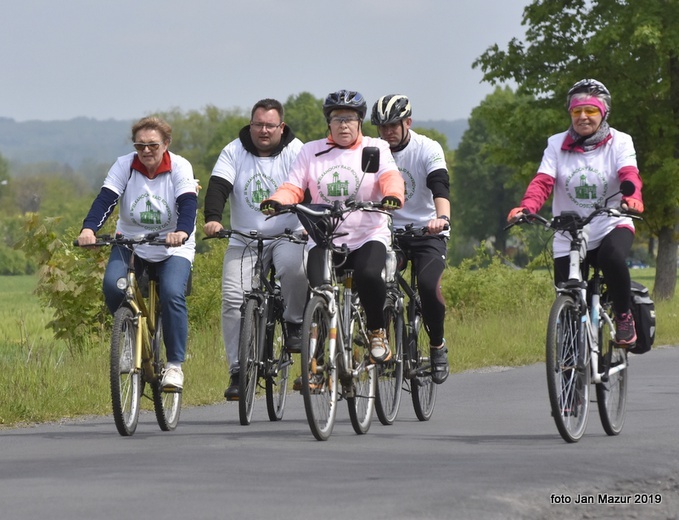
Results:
<point x="483" y="190"/>
<point x="304" y="114"/>
<point x="633" y="47"/>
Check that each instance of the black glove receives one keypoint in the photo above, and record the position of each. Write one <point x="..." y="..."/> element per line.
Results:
<point x="270" y="206"/>
<point x="389" y="202"/>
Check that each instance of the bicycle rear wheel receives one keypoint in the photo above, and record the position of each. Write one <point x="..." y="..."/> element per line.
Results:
<point x="568" y="367"/>
<point x="319" y="369"/>
<point x="423" y="388"/>
<point x="361" y="395"/>
<point x="390" y="374"/>
<point x="278" y="370"/>
<point x="166" y="403"/>
<point x="248" y="355"/>
<point x="611" y="393"/>
<point x="125" y="380"/>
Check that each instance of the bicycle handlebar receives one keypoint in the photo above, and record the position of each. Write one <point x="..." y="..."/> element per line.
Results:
<point x="152" y="239"/>
<point x="256" y="235"/>
<point x="568" y="221"/>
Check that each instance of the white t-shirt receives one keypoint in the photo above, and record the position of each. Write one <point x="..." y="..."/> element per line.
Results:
<point x="255" y="179"/>
<point x="150" y="205"/>
<point x="337" y="175"/>
<point x="418" y="159"/>
<point x="585" y="179"/>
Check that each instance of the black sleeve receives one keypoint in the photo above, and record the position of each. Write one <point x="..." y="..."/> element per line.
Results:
<point x="187" y="205"/>
<point x="439" y="183"/>
<point x="218" y="191"/>
<point x="101" y="209"/>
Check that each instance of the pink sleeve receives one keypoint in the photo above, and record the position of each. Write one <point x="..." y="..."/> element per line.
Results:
<point x="630" y="173"/>
<point x="538" y="192"/>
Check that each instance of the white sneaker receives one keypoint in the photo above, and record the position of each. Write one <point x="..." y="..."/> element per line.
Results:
<point x="173" y="377"/>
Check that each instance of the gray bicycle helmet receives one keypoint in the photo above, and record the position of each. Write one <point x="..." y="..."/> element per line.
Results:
<point x="345" y="99"/>
<point x="390" y="109"/>
<point x="592" y="87"/>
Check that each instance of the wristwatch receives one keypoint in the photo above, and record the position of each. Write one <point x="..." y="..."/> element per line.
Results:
<point x="444" y="217"/>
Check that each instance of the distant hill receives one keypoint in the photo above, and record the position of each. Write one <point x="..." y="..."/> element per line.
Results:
<point x="83" y="141"/>
<point x="75" y="142"/>
<point x="453" y="130"/>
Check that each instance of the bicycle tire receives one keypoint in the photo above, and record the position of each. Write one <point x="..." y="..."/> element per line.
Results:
<point x="423" y="388"/>
<point x="611" y="393"/>
<point x="319" y="369"/>
<point x="167" y="404"/>
<point x="125" y="386"/>
<point x="361" y="396"/>
<point x="568" y="369"/>
<point x="390" y="374"/>
<point x="277" y="368"/>
<point x="248" y="359"/>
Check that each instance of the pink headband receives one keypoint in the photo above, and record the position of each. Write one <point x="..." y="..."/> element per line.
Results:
<point x="589" y="101"/>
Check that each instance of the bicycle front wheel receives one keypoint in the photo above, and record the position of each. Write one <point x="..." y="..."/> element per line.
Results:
<point x="390" y="374"/>
<point x="319" y="369"/>
<point x="423" y="388"/>
<point x="277" y="370"/>
<point x="166" y="403"/>
<point x="568" y="375"/>
<point x="361" y="394"/>
<point x="248" y="356"/>
<point x="611" y="393"/>
<point x="125" y="380"/>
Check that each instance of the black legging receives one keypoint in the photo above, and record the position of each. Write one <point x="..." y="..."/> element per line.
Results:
<point x="428" y="256"/>
<point x="367" y="262"/>
<point x="611" y="257"/>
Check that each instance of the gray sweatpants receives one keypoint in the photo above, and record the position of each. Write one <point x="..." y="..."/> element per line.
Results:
<point x="289" y="260"/>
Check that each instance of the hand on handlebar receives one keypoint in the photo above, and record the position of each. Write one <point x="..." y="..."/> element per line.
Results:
<point x="176" y="238"/>
<point x="632" y="205"/>
<point x="515" y="214"/>
<point x="86" y="238"/>
<point x="391" y="203"/>
<point x="212" y="228"/>
<point x="270" y="207"/>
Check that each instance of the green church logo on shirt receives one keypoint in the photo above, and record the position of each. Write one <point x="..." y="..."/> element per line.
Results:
<point x="586" y="187"/>
<point x="258" y="188"/>
<point x="149" y="214"/>
<point x="335" y="182"/>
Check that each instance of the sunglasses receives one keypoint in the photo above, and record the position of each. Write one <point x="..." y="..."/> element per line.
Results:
<point x="151" y="146"/>
<point x="589" y="111"/>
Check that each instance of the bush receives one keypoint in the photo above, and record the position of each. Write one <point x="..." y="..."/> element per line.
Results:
<point x="485" y="284"/>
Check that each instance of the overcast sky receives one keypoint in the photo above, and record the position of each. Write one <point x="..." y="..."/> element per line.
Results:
<point x="124" y="59"/>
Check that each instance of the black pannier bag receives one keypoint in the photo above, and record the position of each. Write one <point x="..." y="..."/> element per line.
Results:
<point x="643" y="310"/>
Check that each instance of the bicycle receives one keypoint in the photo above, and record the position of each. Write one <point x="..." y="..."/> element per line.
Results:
<point x="410" y="367"/>
<point x="263" y="333"/>
<point x="137" y="355"/>
<point x="335" y="361"/>
<point x="580" y="346"/>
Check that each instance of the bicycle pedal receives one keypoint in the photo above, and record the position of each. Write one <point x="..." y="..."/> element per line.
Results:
<point x="172" y="390"/>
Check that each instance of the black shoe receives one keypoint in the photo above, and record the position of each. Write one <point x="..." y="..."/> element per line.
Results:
<point x="439" y="364"/>
<point x="294" y="340"/>
<point x="231" y="393"/>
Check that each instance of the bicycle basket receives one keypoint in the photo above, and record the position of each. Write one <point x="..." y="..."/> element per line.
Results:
<point x="317" y="227"/>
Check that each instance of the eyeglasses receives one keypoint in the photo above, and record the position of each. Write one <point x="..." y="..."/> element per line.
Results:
<point x="340" y="120"/>
<point x="268" y="126"/>
<point x="151" y="146"/>
<point x="589" y="111"/>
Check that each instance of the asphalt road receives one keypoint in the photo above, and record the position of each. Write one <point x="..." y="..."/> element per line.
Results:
<point x="491" y="451"/>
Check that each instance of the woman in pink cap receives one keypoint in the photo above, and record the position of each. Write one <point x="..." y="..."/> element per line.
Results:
<point x="584" y="166"/>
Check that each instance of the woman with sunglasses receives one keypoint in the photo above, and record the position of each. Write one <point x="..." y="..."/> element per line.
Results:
<point x="157" y="193"/>
<point x="584" y="166"/>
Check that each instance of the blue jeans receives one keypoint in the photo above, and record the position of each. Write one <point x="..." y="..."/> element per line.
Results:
<point x="173" y="275"/>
